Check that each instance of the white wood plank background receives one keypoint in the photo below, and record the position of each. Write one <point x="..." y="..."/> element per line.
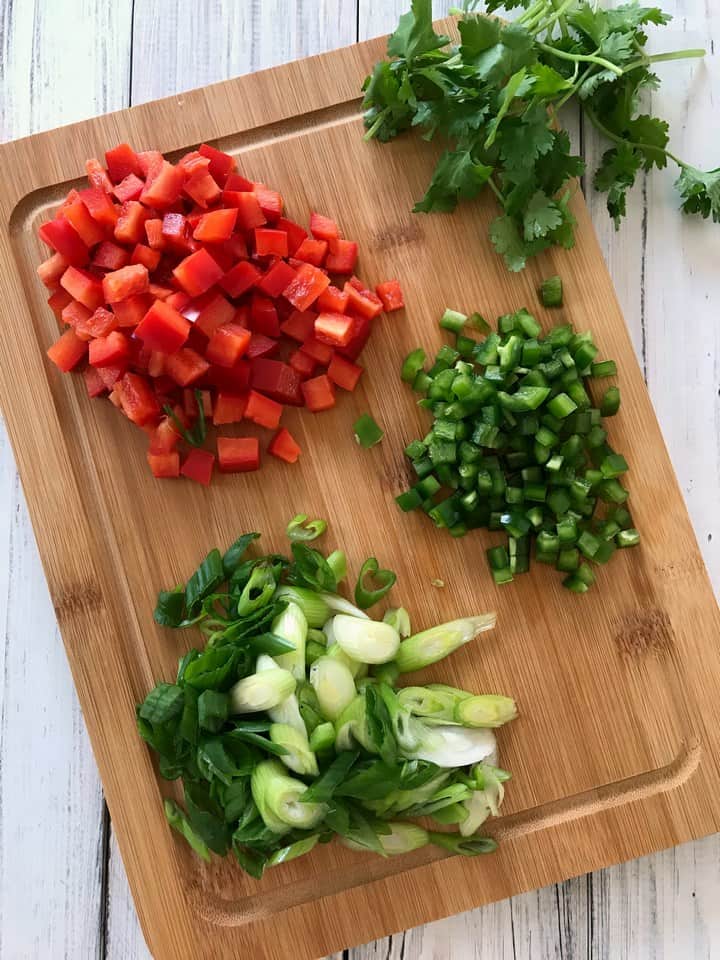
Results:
<point x="63" y="892"/>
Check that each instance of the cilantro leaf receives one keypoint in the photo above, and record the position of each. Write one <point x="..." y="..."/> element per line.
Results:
<point x="629" y="16"/>
<point x="591" y="83"/>
<point x="523" y="141"/>
<point x="548" y="81"/>
<point x="700" y="192"/>
<point x="615" y="176"/>
<point x="541" y="216"/>
<point x="456" y="177"/>
<point x="651" y="135"/>
<point x="507" y="241"/>
<point x="415" y="35"/>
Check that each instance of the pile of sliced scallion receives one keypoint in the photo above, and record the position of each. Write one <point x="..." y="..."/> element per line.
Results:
<point x="290" y="729"/>
<point x="517" y="444"/>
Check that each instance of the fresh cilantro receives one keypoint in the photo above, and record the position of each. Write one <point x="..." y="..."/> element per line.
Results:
<point x="456" y="177"/>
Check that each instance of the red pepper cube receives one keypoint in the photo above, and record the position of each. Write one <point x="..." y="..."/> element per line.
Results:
<point x="74" y="313"/>
<point x="164" y="437"/>
<point x="110" y="350"/>
<point x="89" y="230"/>
<point x="178" y="300"/>
<point x="342" y="256"/>
<point x="63" y="237"/>
<point x="303" y="363"/>
<point x="52" y="269"/>
<point x="164" y="465"/>
<point x="323" y="228"/>
<point x="58" y="301"/>
<point x="97" y="177"/>
<point x="332" y="300"/>
<point x="284" y="447"/>
<point x="214" y="314"/>
<point x="145" y="255"/>
<point x="364" y="302"/>
<point x="357" y="283"/>
<point x="236" y="247"/>
<point x="100" y="205"/>
<point x="391" y="295"/>
<point x="319" y="393"/>
<point x="263" y="411"/>
<point x="344" y="373"/>
<point x="138" y="399"/>
<point x="270" y="242"/>
<point x="263" y="316"/>
<point x="277" y="279"/>
<point x="312" y="251"/>
<point x="295" y="233"/>
<point x="299" y="325"/>
<point x="110" y="256"/>
<point x="83" y="286"/>
<point x="159" y="292"/>
<point x="190" y="403"/>
<point x="93" y="382"/>
<point x="175" y="231"/>
<point x="360" y="336"/>
<point x="193" y="161"/>
<point x="121" y="161"/>
<point x="306" y="287"/>
<point x="130" y="226"/>
<point x="277" y="380"/>
<point x="150" y="162"/>
<point x="186" y="366"/>
<point x="198" y="466"/>
<point x="221" y="164"/>
<point x="271" y="202"/>
<point x="334" y="328"/>
<point x="216" y="226"/>
<point x="197" y="273"/>
<point x="154" y="234"/>
<point x="126" y="282"/>
<point x="262" y="346"/>
<point x="238" y="455"/>
<point x="234" y="380"/>
<point x="112" y="375"/>
<point x="130" y="312"/>
<point x="201" y="188"/>
<point x="319" y="351"/>
<point x="249" y="212"/>
<point x="163" y="186"/>
<point x="227" y="344"/>
<point x="229" y="408"/>
<point x="129" y="189"/>
<point x="68" y="351"/>
<point x="163" y="328"/>
<point x="99" y="324"/>
<point x="240" y="279"/>
<point x="238" y="183"/>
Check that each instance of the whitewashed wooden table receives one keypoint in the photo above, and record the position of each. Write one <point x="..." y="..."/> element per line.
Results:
<point x="63" y="892"/>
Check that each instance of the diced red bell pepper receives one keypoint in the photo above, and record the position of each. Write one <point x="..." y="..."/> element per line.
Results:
<point x="250" y="214"/>
<point x="295" y="233"/>
<point x="229" y="408"/>
<point x="364" y="302"/>
<point x="94" y="383"/>
<point x="193" y="161"/>
<point x="269" y="242"/>
<point x="303" y="363"/>
<point x="99" y="324"/>
<point x="139" y="356"/>
<point x="110" y="256"/>
<point x="163" y="187"/>
<point x="111" y="375"/>
<point x="89" y="230"/>
<point x="97" y="177"/>
<point x="150" y="162"/>
<point x="159" y="292"/>
<point x="214" y="313"/>
<point x="190" y="403"/>
<point x="121" y="161"/>
<point x="312" y="251"/>
<point x="334" y="328"/>
<point x="240" y="279"/>
<point x="238" y="455"/>
<point x="277" y="279"/>
<point x="319" y="351"/>
<point x="236" y="182"/>
<point x="126" y="282"/>
<point x="58" y="301"/>
<point x="52" y="269"/>
<point x="63" y="237"/>
<point x="263" y="411"/>
<point x="263" y="316"/>
<point x="221" y="164"/>
<point x="391" y="295"/>
<point x="202" y="188"/>
<point x="277" y="380"/>
<point x="227" y="344"/>
<point x="197" y="273"/>
<point x="223" y="257"/>
<point x="68" y="351"/>
<point x="234" y="380"/>
<point x="154" y="234"/>
<point x="357" y="283"/>
<point x="100" y="205"/>
<point x="156" y="364"/>
<point x="130" y="312"/>
<point x="164" y="465"/>
<point x="323" y="228"/>
<point x="130" y="226"/>
<point x="284" y="447"/>
<point x="271" y="202"/>
<point x="138" y="399"/>
<point x="236" y="246"/>
<point x="186" y="366"/>
<point x="178" y="300"/>
<point x="332" y="300"/>
<point x="175" y="231"/>
<point x="198" y="466"/>
<point x="342" y="256"/>
<point x="149" y="258"/>
<point x="216" y="226"/>
<point x="163" y="328"/>
<point x="164" y="438"/>
<point x="307" y="286"/>
<point x="299" y="325"/>
<point x="75" y="313"/>
<point x="344" y="373"/>
<point x="262" y="346"/>
<point x="360" y="336"/>
<point x="110" y="350"/>
<point x="129" y="188"/>
<point x="319" y="393"/>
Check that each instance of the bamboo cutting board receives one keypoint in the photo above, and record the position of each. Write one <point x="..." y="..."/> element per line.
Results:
<point x="616" y="751"/>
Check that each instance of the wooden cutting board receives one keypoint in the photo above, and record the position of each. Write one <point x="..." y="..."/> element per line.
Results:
<point x="616" y="750"/>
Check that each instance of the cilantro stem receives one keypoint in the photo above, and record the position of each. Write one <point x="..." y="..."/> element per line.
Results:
<point x="663" y="57"/>
<point x="581" y="58"/>
<point x="496" y="191"/>
<point x="555" y="16"/>
<point x="539" y="7"/>
<point x="377" y="123"/>
<point x="616" y="138"/>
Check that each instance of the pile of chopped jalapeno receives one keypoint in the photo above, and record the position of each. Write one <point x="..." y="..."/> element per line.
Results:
<point x="518" y="444"/>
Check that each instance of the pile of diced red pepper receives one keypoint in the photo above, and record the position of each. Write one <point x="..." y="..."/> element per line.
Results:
<point x="183" y="284"/>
